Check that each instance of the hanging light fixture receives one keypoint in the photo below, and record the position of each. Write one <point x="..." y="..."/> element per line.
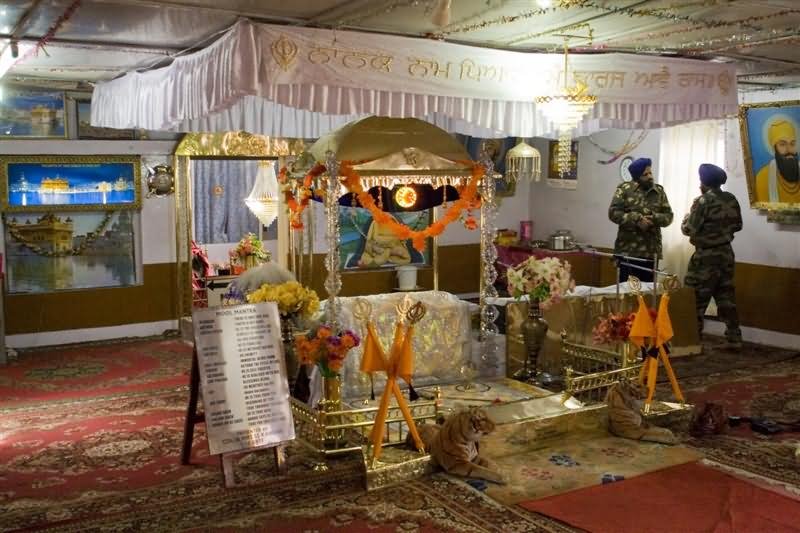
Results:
<point x="566" y="110"/>
<point x="263" y="198"/>
<point x="523" y="162"/>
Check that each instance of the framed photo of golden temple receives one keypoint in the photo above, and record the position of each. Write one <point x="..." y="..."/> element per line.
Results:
<point x="70" y="183"/>
<point x="769" y="134"/>
<point x="32" y="114"/>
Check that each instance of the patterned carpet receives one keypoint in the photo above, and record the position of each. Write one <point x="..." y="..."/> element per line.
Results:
<point x="112" y="464"/>
<point x="578" y="461"/>
<point x="760" y="383"/>
<point x="78" y="371"/>
<point x="91" y="440"/>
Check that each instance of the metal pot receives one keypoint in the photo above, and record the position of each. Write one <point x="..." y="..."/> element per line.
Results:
<point x="562" y="240"/>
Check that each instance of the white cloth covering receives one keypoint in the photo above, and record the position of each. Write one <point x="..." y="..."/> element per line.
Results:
<point x="442" y="343"/>
<point x="303" y="82"/>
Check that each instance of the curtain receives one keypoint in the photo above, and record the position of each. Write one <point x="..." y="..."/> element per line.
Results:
<point x="683" y="149"/>
<point x="219" y="187"/>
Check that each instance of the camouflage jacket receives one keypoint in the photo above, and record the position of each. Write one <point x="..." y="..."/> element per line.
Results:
<point x="629" y="205"/>
<point x="713" y="219"/>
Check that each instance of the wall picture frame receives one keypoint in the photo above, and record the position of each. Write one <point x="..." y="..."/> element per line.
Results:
<point x="769" y="133"/>
<point x="365" y="245"/>
<point x="32" y="114"/>
<point x="70" y="183"/>
<point x="554" y="177"/>
<point x="60" y="251"/>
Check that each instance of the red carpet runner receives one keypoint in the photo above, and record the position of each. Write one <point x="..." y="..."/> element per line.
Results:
<point x="98" y="370"/>
<point x="690" y="498"/>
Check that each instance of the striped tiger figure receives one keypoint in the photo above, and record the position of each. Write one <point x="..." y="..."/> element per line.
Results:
<point x="454" y="444"/>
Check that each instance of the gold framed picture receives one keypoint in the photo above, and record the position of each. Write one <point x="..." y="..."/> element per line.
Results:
<point x="35" y="183"/>
<point x="769" y="134"/>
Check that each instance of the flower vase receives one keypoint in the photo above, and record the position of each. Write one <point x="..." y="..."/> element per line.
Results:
<point x="333" y="393"/>
<point x="626" y="354"/>
<point x="250" y="261"/>
<point x="332" y="387"/>
<point x="534" y="330"/>
<point x="290" y="354"/>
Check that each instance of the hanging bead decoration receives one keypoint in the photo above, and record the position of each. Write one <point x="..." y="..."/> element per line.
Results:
<point x="488" y="312"/>
<point x="333" y="282"/>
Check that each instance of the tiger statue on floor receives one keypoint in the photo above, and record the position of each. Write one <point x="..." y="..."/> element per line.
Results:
<point x="453" y="444"/>
<point x="624" y="400"/>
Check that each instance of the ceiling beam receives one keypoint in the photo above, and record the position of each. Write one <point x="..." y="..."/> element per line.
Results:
<point x="757" y="59"/>
<point x="95" y="45"/>
<point x="19" y="27"/>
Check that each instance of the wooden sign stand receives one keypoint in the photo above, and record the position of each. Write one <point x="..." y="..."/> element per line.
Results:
<point x="226" y="459"/>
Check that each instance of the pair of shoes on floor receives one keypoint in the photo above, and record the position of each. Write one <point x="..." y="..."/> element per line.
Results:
<point x="731" y="346"/>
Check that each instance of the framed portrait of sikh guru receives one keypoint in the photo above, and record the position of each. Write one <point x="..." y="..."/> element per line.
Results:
<point x="769" y="134"/>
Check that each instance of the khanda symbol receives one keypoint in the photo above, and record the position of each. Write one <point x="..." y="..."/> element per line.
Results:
<point x="284" y="52"/>
<point x="409" y="311"/>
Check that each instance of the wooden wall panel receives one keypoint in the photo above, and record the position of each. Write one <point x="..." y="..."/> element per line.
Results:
<point x="767" y="297"/>
<point x="152" y="301"/>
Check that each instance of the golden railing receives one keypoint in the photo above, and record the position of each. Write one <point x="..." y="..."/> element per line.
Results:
<point x="590" y="371"/>
<point x="337" y="432"/>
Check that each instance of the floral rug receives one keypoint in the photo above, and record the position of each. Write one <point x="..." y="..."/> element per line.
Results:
<point x="714" y="361"/>
<point x="581" y="461"/>
<point x="79" y="371"/>
<point x="112" y="464"/>
<point x="771" y="391"/>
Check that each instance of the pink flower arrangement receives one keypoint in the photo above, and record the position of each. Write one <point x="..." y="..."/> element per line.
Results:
<point x="247" y="246"/>
<point x="545" y="280"/>
<point x="326" y="349"/>
<point x="615" y="327"/>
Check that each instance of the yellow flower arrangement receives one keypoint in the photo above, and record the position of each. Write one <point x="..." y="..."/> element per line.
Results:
<point x="291" y="298"/>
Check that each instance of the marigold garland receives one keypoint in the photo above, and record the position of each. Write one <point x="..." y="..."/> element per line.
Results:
<point x="467" y="200"/>
<point x="296" y="207"/>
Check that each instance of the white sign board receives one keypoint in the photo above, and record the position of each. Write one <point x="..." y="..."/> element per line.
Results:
<point x="243" y="376"/>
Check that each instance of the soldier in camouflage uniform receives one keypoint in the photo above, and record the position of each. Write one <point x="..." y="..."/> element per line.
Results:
<point x="641" y="209"/>
<point x="713" y="219"/>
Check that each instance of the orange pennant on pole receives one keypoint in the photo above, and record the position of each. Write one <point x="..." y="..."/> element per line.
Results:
<point x="663" y="322"/>
<point x="372" y="358"/>
<point x="642" y="327"/>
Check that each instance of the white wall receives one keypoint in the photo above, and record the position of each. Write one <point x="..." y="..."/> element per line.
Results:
<point x="584" y="211"/>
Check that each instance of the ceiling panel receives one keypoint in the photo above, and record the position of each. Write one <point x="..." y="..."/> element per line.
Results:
<point x="760" y="35"/>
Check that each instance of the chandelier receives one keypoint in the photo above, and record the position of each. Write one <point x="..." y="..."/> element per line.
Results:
<point x="263" y="198"/>
<point x="566" y="110"/>
<point x="523" y="162"/>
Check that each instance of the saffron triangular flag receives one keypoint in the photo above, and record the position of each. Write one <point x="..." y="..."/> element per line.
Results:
<point x="642" y="326"/>
<point x="372" y="358"/>
<point x="663" y="322"/>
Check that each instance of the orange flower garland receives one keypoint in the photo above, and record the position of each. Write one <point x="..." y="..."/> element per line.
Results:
<point x="296" y="207"/>
<point x="467" y="200"/>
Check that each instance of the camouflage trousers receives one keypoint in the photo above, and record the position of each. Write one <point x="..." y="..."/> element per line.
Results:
<point x="711" y="275"/>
